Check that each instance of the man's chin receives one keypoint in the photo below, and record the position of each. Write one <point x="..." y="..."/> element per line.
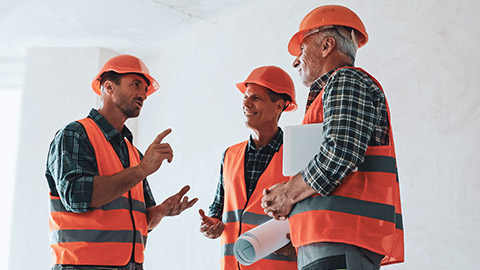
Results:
<point x="132" y="114"/>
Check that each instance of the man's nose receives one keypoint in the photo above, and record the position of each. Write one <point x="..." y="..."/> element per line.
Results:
<point x="296" y="62"/>
<point x="246" y="102"/>
<point x="144" y="95"/>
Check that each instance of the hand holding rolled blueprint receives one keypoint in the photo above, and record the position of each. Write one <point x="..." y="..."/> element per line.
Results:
<point x="261" y="241"/>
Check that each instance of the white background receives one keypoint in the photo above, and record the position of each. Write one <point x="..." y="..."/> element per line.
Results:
<point x="424" y="53"/>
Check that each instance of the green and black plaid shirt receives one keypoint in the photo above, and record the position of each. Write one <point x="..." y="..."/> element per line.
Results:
<point x="256" y="161"/>
<point x="71" y="163"/>
<point x="354" y="117"/>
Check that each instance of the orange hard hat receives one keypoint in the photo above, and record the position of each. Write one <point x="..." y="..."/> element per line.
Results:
<point x="275" y="79"/>
<point x="125" y="64"/>
<point x="330" y="15"/>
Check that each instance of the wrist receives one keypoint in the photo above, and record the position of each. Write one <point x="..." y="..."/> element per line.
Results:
<point x="298" y="189"/>
<point x="140" y="172"/>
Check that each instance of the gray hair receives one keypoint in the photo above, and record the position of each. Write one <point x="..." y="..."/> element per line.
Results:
<point x="345" y="45"/>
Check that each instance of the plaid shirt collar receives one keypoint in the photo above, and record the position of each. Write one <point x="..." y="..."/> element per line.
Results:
<point x="274" y="145"/>
<point x="318" y="85"/>
<point x="108" y="130"/>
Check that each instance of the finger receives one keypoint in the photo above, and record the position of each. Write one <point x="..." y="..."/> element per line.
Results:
<point x="216" y="229"/>
<point x="184" y="204"/>
<point x="192" y="202"/>
<point x="164" y="147"/>
<point x="162" y="135"/>
<point x="204" y="217"/>
<point x="271" y="214"/>
<point x="265" y="191"/>
<point x="264" y="205"/>
<point x="183" y="191"/>
<point x="177" y="207"/>
<point x="165" y="151"/>
<point x="202" y="213"/>
<point x="204" y="228"/>
<point x="273" y="187"/>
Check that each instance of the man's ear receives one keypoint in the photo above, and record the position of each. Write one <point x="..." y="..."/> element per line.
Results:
<point x="108" y="87"/>
<point x="328" y="45"/>
<point x="280" y="104"/>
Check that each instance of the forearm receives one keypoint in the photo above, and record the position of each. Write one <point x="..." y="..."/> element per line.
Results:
<point x="153" y="217"/>
<point x="298" y="190"/>
<point x="349" y="116"/>
<point x="109" y="188"/>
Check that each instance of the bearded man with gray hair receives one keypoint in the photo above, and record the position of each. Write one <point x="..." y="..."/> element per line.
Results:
<point x="344" y="206"/>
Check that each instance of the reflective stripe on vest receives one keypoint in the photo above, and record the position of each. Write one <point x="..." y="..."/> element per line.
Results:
<point x="365" y="210"/>
<point x="107" y="235"/>
<point x="227" y="250"/>
<point x="241" y="215"/>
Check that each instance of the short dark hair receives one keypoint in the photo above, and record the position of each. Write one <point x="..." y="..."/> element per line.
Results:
<point x="274" y="97"/>
<point x="116" y="77"/>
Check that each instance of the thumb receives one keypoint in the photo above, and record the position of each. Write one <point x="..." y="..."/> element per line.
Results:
<point x="206" y="218"/>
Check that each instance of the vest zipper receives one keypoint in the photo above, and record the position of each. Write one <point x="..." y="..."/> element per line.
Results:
<point x="132" y="258"/>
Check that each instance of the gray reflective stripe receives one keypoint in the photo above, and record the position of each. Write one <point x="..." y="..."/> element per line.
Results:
<point x="247" y="217"/>
<point x="231" y="216"/>
<point x="96" y="236"/>
<point x="56" y="205"/>
<point x="228" y="251"/>
<point x="276" y="257"/>
<point x="398" y="221"/>
<point x="254" y="219"/>
<point x="350" y="206"/>
<point x="378" y="164"/>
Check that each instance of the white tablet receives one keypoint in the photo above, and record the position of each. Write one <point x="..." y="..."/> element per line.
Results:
<point x="300" y="144"/>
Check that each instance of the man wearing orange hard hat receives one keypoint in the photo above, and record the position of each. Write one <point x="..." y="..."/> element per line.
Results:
<point x="251" y="166"/>
<point x="344" y="206"/>
<point x="101" y="206"/>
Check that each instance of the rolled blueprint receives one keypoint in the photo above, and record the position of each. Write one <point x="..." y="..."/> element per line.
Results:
<point x="261" y="241"/>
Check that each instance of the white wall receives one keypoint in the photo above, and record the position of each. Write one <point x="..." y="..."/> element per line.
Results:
<point x="53" y="95"/>
<point x="423" y="52"/>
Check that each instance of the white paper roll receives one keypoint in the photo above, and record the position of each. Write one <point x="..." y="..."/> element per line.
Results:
<point x="261" y="241"/>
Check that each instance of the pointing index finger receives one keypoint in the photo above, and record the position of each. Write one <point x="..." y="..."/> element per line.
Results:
<point x="162" y="135"/>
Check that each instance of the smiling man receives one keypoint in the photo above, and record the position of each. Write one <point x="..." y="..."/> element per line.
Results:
<point x="251" y="166"/>
<point x="102" y="207"/>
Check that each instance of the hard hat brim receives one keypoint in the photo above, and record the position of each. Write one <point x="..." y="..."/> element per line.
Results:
<point x="297" y="39"/>
<point x="154" y="86"/>
<point x="242" y="86"/>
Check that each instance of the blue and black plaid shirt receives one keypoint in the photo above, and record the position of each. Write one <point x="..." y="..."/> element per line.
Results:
<point x="71" y="163"/>
<point x="355" y="117"/>
<point x="256" y="161"/>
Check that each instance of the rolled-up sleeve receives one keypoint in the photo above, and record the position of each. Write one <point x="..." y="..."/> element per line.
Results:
<point x="349" y="118"/>
<point x="71" y="167"/>
<point x="216" y="208"/>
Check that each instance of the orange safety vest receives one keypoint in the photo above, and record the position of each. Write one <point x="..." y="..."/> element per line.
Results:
<point x="241" y="215"/>
<point x="364" y="210"/>
<point x="104" y="236"/>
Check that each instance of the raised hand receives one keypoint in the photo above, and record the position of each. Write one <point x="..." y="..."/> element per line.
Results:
<point x="172" y="206"/>
<point x="156" y="153"/>
<point x="210" y="227"/>
<point x="176" y="204"/>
